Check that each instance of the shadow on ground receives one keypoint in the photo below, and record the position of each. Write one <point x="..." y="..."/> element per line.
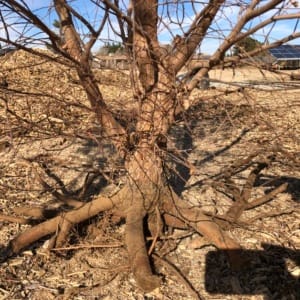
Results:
<point x="275" y="181"/>
<point x="272" y="272"/>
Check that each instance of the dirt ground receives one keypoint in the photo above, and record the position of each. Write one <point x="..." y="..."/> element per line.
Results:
<point x="224" y="127"/>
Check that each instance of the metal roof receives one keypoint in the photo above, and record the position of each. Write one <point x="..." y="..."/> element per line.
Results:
<point x="6" y="50"/>
<point x="286" y="52"/>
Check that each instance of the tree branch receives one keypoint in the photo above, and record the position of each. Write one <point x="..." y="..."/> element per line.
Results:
<point x="186" y="46"/>
<point x="233" y="37"/>
<point x="31" y="17"/>
<point x="72" y="40"/>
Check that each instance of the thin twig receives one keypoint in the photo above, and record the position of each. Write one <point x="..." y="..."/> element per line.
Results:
<point x="262" y="200"/>
<point x="87" y="246"/>
<point x="177" y="273"/>
<point x="158" y="227"/>
<point x="271" y="215"/>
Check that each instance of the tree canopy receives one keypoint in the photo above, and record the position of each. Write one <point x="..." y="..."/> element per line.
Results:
<point x="247" y="44"/>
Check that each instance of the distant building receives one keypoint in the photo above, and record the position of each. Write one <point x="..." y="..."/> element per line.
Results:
<point x="111" y="61"/>
<point x="286" y="56"/>
<point x="7" y="49"/>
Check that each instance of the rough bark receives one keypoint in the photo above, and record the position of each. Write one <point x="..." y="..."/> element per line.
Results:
<point x="180" y="214"/>
<point x="138" y="255"/>
<point x="145" y="44"/>
<point x="72" y="42"/>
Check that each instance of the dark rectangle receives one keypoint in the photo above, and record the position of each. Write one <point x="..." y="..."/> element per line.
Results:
<point x="286" y="51"/>
<point x="265" y="272"/>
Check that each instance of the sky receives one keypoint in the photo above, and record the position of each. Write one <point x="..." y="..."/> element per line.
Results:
<point x="168" y="26"/>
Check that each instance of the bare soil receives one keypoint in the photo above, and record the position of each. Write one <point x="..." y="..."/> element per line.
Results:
<point x="225" y="126"/>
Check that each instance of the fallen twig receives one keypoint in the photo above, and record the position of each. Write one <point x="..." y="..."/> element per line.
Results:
<point x="241" y="197"/>
<point x="262" y="200"/>
<point x="271" y="215"/>
<point x="84" y="246"/>
<point x="178" y="274"/>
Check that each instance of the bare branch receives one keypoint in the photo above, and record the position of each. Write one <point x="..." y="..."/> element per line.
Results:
<point x="262" y="48"/>
<point x="185" y="46"/>
<point x="249" y="14"/>
<point x="72" y="40"/>
<point x="32" y="18"/>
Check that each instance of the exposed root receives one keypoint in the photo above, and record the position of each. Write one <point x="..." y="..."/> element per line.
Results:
<point x="154" y="203"/>
<point x="179" y="213"/>
<point x="88" y="210"/>
<point x="11" y="219"/>
<point x="224" y="222"/>
<point x="273" y="214"/>
<point x="203" y="224"/>
<point x="64" y="228"/>
<point x="262" y="200"/>
<point x="155" y="225"/>
<point x="135" y="242"/>
<point x="241" y="197"/>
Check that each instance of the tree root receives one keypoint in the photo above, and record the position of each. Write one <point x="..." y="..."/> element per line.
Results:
<point x="194" y="217"/>
<point x="65" y="226"/>
<point x="180" y="214"/>
<point x="266" y="198"/>
<point x="135" y="242"/>
<point x="75" y="216"/>
<point x="272" y="214"/>
<point x="155" y="225"/>
<point x="241" y="197"/>
<point x="12" y="219"/>
<point x="150" y="203"/>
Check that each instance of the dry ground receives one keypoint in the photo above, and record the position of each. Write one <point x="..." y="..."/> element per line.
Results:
<point x="222" y="129"/>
